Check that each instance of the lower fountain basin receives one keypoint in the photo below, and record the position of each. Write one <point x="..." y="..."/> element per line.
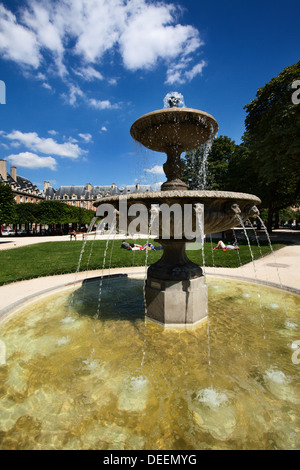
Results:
<point x="77" y="380"/>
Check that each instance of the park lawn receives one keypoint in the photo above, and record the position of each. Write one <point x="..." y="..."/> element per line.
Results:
<point x="47" y="259"/>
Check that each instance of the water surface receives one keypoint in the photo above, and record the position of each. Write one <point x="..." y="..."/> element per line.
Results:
<point x="77" y="380"/>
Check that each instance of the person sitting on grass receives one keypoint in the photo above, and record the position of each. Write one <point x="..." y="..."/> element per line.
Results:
<point x="221" y="245"/>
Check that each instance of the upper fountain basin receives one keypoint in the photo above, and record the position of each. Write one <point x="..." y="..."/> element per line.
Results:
<point x="181" y="128"/>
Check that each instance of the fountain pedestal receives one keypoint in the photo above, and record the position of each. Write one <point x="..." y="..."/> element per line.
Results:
<point x="176" y="303"/>
<point x="176" y="293"/>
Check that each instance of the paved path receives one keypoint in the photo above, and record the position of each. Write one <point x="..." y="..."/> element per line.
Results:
<point x="8" y="243"/>
<point x="282" y="267"/>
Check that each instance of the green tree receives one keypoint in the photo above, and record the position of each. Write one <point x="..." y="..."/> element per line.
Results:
<point x="272" y="138"/>
<point x="51" y="212"/>
<point x="26" y="213"/>
<point x="56" y="212"/>
<point x="209" y="168"/>
<point x="7" y="205"/>
<point x="193" y="169"/>
<point x="220" y="159"/>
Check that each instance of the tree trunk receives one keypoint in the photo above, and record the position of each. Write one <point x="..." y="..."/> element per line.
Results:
<point x="276" y="226"/>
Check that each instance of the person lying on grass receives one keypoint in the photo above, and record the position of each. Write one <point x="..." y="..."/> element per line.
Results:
<point x="135" y="247"/>
<point x="221" y="245"/>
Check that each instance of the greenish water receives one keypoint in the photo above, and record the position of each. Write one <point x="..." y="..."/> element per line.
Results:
<point x="77" y="380"/>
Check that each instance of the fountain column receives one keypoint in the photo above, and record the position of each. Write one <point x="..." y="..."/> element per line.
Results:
<point x="176" y="292"/>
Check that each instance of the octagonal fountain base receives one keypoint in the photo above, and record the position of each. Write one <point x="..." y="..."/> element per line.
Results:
<point x="176" y="303"/>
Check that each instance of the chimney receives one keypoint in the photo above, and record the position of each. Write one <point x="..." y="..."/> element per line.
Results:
<point x="138" y="186"/>
<point x="13" y="172"/>
<point x="89" y="187"/>
<point x="113" y="186"/>
<point x="46" y="185"/>
<point x="3" y="169"/>
<point x="155" y="187"/>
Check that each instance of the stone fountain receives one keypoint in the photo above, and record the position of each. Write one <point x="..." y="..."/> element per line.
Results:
<point x="176" y="292"/>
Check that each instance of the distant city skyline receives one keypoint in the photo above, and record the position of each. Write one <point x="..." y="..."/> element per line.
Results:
<point x="78" y="74"/>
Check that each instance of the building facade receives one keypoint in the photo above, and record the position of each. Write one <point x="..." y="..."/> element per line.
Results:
<point x="23" y="189"/>
<point x="78" y="196"/>
<point x="86" y="196"/>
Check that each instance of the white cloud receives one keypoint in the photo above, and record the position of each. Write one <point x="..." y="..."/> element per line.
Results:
<point x="156" y="170"/>
<point x="89" y="73"/>
<point x="104" y="129"/>
<point x="74" y="93"/>
<point x="178" y="73"/>
<point x="32" y="161"/>
<point x="52" y="132"/>
<point x="104" y="104"/>
<point x="112" y="81"/>
<point x="47" y="86"/>
<point x="17" y="42"/>
<point x="41" y="76"/>
<point x="86" y="137"/>
<point x="143" y="32"/>
<point x="39" y="19"/>
<point x="159" y="39"/>
<point x="32" y="141"/>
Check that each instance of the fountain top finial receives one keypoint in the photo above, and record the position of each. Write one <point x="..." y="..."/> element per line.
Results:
<point x="174" y="100"/>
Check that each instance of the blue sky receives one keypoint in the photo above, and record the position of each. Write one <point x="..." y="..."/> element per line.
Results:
<point x="78" y="73"/>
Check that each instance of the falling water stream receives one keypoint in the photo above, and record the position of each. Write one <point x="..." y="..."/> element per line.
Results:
<point x="202" y="177"/>
<point x="271" y="248"/>
<point x="154" y="216"/>
<point x="274" y="257"/>
<point x="256" y="237"/>
<point x="259" y="295"/>
<point x="199" y="210"/>
<point x="83" y="250"/>
<point x="111" y="231"/>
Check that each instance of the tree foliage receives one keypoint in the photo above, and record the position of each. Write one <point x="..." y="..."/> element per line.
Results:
<point x="46" y="213"/>
<point x="26" y="213"/>
<point x="7" y="205"/>
<point x="272" y="139"/>
<point x="266" y="163"/>
<point x="212" y="171"/>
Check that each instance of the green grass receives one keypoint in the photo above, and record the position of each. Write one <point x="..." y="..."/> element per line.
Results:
<point x="47" y="259"/>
